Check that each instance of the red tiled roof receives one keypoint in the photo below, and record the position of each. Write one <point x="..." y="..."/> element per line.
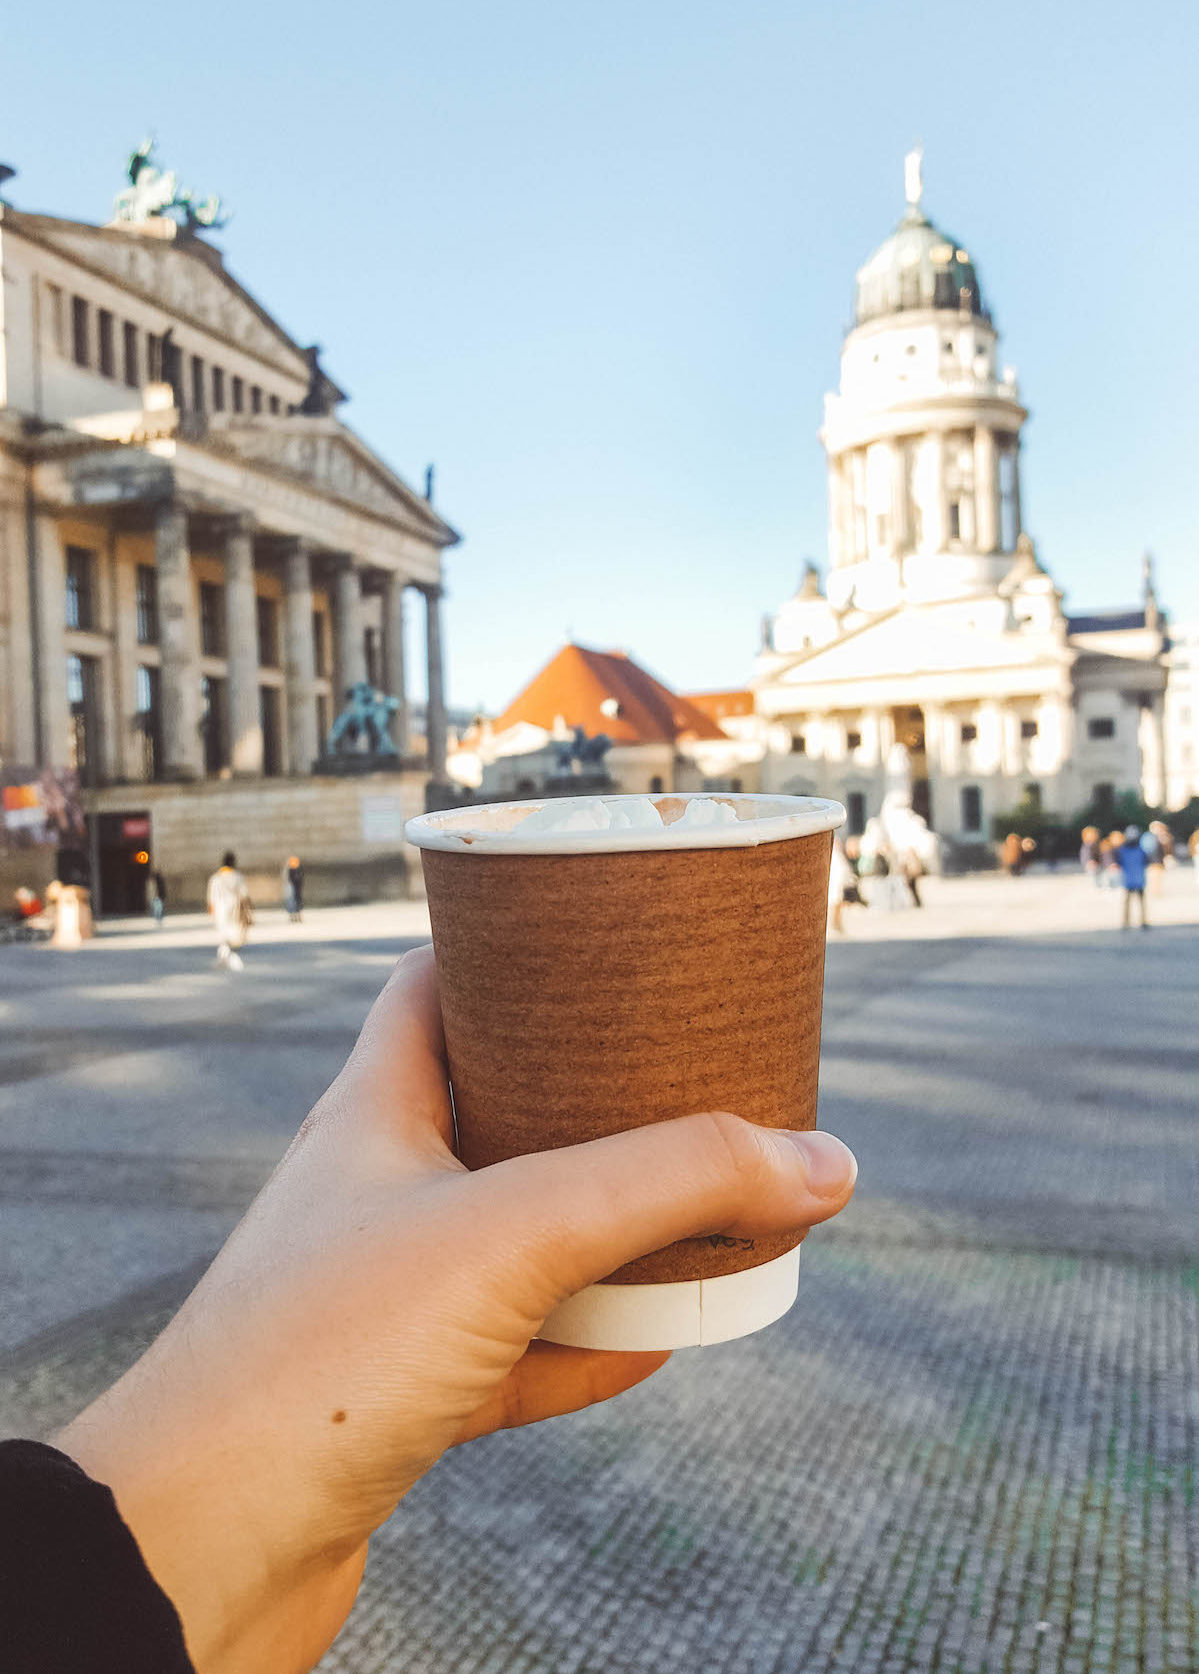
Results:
<point x="576" y="683"/>
<point x="717" y="705"/>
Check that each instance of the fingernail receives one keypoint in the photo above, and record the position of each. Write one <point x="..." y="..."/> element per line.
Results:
<point x="832" y="1166"/>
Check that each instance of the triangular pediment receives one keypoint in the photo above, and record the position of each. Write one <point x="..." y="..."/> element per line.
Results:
<point x="325" y="454"/>
<point x="182" y="275"/>
<point x="919" y="640"/>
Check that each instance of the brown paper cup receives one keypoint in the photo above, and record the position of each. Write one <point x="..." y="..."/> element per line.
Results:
<point x="593" y="981"/>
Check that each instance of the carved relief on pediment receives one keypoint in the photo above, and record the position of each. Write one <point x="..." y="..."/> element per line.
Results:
<point x="324" y="461"/>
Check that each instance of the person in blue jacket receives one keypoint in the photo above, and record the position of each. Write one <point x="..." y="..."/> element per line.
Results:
<point x="1132" y="861"/>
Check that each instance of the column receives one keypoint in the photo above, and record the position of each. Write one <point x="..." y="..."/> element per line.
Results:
<point x="299" y="660"/>
<point x="126" y="760"/>
<point x="934" y="491"/>
<point x="989" y="755"/>
<point x="241" y="637"/>
<point x="1150" y="740"/>
<point x="394" y="675"/>
<point x="183" y="756"/>
<point x="986" y="489"/>
<point x="435" y="722"/>
<point x="350" y="643"/>
<point x="51" y="647"/>
<point x="900" y="540"/>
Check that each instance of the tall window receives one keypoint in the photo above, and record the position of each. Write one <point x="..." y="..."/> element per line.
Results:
<point x="320" y="661"/>
<point x="83" y="739"/>
<point x="255" y="399"/>
<point x="1009" y="498"/>
<point x="1101" y="726"/>
<point x="955" y="520"/>
<point x="79" y="331"/>
<point x="54" y="318"/>
<point x="212" y="723"/>
<point x="133" y="376"/>
<point x="1028" y="729"/>
<point x="239" y="394"/>
<point x="268" y="632"/>
<point x="274" y="404"/>
<point x="212" y="619"/>
<point x="218" y="389"/>
<point x="799" y="744"/>
<point x="107" y="342"/>
<point x="197" y="384"/>
<point x="370" y="648"/>
<point x="1103" y="800"/>
<point x="972" y="808"/>
<point x="969" y="732"/>
<point x="149" y="720"/>
<point x="1032" y="794"/>
<point x="147" y="604"/>
<point x="272" y="731"/>
<point x="80" y="588"/>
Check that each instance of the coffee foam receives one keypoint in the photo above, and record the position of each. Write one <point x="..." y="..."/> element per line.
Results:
<point x="633" y="813"/>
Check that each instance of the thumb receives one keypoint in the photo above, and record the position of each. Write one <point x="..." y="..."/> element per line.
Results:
<point x="567" y="1218"/>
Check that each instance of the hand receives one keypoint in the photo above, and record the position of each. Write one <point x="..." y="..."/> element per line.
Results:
<point x="376" y="1306"/>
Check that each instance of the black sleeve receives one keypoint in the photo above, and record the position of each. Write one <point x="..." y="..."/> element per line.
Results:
<point x="76" y="1596"/>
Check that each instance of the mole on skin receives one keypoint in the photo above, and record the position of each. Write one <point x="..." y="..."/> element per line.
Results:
<point x="339" y="1417"/>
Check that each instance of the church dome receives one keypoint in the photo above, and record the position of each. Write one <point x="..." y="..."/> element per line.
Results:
<point x="917" y="267"/>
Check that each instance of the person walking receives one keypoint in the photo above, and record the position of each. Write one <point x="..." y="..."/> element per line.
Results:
<point x="1131" y="859"/>
<point x="158" y="898"/>
<point x="1090" y="855"/>
<point x="1154" y="844"/>
<point x="293" y="889"/>
<point x="229" y="904"/>
<point x="1013" y="854"/>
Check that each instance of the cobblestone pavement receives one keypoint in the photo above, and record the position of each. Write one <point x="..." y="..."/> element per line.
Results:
<point x="969" y="1449"/>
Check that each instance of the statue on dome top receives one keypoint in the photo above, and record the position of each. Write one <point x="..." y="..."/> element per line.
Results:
<point x="913" y="180"/>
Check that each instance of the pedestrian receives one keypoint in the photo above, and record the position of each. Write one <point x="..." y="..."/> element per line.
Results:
<point x="158" y="897"/>
<point x="293" y="889"/>
<point x="840" y="884"/>
<point x="1154" y="844"/>
<point x="911" y="870"/>
<point x="229" y="904"/>
<point x="1130" y="857"/>
<point x="1013" y="854"/>
<point x="1090" y="855"/>
<point x="1193" y="851"/>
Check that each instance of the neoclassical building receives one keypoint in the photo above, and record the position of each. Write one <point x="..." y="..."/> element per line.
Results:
<point x="197" y="558"/>
<point x="939" y="628"/>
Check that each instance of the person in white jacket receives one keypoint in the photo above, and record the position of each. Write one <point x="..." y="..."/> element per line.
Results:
<point x="229" y="904"/>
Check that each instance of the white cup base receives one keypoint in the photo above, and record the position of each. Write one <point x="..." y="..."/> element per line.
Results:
<point x="691" y="1314"/>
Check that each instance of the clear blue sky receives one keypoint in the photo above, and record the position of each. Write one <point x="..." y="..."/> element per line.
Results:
<point x="595" y="261"/>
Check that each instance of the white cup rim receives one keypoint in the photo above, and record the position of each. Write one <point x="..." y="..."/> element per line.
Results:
<point x="486" y="829"/>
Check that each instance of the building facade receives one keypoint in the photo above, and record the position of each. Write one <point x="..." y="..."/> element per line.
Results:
<point x="939" y="628"/>
<point x="197" y="558"/>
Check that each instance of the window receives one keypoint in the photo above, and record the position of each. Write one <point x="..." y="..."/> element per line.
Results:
<point x="54" y="318"/>
<point x="80" y="592"/>
<point x="218" y="389"/>
<point x="149" y="718"/>
<point x="238" y="390"/>
<point x="106" y="337"/>
<point x="147" y="604"/>
<point x="799" y="744"/>
<point x="155" y="371"/>
<point x="1028" y="729"/>
<point x="197" y="384"/>
<point x="972" y="808"/>
<point x="133" y="377"/>
<point x="272" y="729"/>
<point x="1103" y="800"/>
<point x="79" y="331"/>
<point x="855" y="809"/>
<point x="255" y="399"/>
<point x="1101" y="726"/>
<point x="320" y="662"/>
<point x="655" y="785"/>
<point x="1032" y="795"/>
<point x="853" y="740"/>
<point x="212" y="619"/>
<point x="82" y="740"/>
<point x="969" y="732"/>
<point x="1009" y="498"/>
<point x="268" y="632"/>
<point x="370" y="649"/>
<point x="275" y="405"/>
<point x="212" y="724"/>
<point x="955" y="520"/>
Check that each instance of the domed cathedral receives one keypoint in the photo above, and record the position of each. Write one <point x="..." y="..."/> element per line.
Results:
<point x="938" y="628"/>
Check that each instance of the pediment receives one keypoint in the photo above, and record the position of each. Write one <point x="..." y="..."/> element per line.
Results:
<point x="326" y="455"/>
<point x="183" y="277"/>
<point x="918" y="641"/>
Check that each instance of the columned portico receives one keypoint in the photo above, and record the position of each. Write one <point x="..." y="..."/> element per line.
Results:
<point x="435" y="721"/>
<point x="182" y="745"/>
<point x="394" y="673"/>
<point x="299" y="661"/>
<point x="245" y="711"/>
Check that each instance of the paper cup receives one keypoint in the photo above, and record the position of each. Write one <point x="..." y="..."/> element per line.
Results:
<point x="594" y="981"/>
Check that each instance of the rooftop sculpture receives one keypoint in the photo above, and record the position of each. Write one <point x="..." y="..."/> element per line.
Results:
<point x="155" y="194"/>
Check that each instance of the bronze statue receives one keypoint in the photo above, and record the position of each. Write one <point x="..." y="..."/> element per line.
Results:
<point x="366" y="717"/>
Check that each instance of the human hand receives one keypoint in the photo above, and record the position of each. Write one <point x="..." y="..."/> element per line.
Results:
<point x="378" y="1305"/>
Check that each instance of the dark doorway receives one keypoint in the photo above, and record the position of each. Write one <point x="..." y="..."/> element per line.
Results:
<point x="124" y="863"/>
<point x="922" y="802"/>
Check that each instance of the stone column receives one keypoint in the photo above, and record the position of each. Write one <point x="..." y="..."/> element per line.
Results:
<point x="299" y="659"/>
<point x="435" y="720"/>
<point x="351" y="645"/>
<point x="934" y="490"/>
<point x="1151" y="741"/>
<point x="241" y="635"/>
<point x="900" y="540"/>
<point x="54" y="715"/>
<point x="394" y="674"/>
<point x="182" y="749"/>
<point x="986" y="489"/>
<point x="989" y="754"/>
